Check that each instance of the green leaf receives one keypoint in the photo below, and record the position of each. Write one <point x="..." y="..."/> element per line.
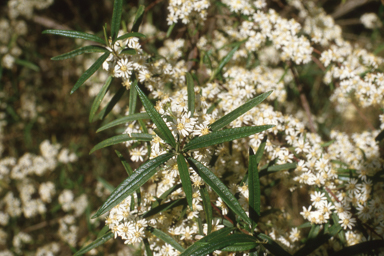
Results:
<point x="222" y="242"/>
<point x="106" y="184"/>
<point x="215" y="235"/>
<point x="224" y="135"/>
<point x="74" y="34"/>
<point x="254" y="188"/>
<point x="27" y="64"/>
<point x="133" y="99"/>
<point x="272" y="246"/>
<point x="131" y="34"/>
<point x="107" y="109"/>
<point x="129" y="171"/>
<point x="132" y="183"/>
<point x="138" y="18"/>
<point x="99" y="98"/>
<point x="129" y="51"/>
<point x="122" y="138"/>
<point x="228" y="118"/>
<point x="164" y="207"/>
<point x="207" y="208"/>
<point x="94" y="244"/>
<point x="116" y="17"/>
<point x="317" y="241"/>
<point x="185" y="179"/>
<point x="169" y="191"/>
<point x="79" y="51"/>
<point x="169" y="31"/>
<point x="147" y="247"/>
<point x="156" y="118"/>
<point x="220" y="189"/>
<point x="240" y="246"/>
<point x="275" y="168"/>
<point x="89" y="72"/>
<point x="191" y="93"/>
<point x="260" y="150"/>
<point x="380" y="136"/>
<point x="226" y="59"/>
<point x="166" y="238"/>
<point x="213" y="106"/>
<point x="124" y="120"/>
<point x="360" y="248"/>
<point x="207" y="60"/>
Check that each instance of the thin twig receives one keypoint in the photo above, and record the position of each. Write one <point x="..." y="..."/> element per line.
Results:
<point x="366" y="120"/>
<point x="303" y="99"/>
<point x="40" y="225"/>
<point x="318" y="63"/>
<point x="152" y="5"/>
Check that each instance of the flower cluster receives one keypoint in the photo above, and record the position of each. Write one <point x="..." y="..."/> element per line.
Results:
<point x="32" y="199"/>
<point x="338" y="176"/>
<point x="187" y="11"/>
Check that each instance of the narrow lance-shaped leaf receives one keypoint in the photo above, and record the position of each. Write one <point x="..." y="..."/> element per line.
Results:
<point x="124" y="120"/>
<point x="129" y="171"/>
<point x="87" y="74"/>
<point x="99" y="241"/>
<point x="138" y="18"/>
<point x="164" y="207"/>
<point x="240" y="246"/>
<point x="132" y="183"/>
<point x="156" y="118"/>
<point x="185" y="179"/>
<point x="74" y="34"/>
<point x="223" y="242"/>
<point x="147" y="247"/>
<point x="106" y="184"/>
<point x="312" y="245"/>
<point x="254" y="189"/>
<point x="220" y="189"/>
<point x="132" y="98"/>
<point x="169" y="31"/>
<point x="207" y="208"/>
<point x="276" y="168"/>
<point x="99" y="98"/>
<point x="272" y="246"/>
<point x="213" y="106"/>
<point x="221" y="233"/>
<point x="113" y="102"/>
<point x="129" y="51"/>
<point x="226" y="59"/>
<point x="122" y="138"/>
<point x="228" y="118"/>
<point x="27" y="64"/>
<point x="224" y="135"/>
<point x="166" y="238"/>
<point x="116" y="17"/>
<point x="131" y="34"/>
<point x="79" y="51"/>
<point x="191" y="93"/>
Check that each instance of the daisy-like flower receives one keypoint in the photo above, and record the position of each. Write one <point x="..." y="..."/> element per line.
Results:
<point x="137" y="154"/>
<point x="201" y="129"/>
<point x="144" y="75"/>
<point x="123" y="68"/>
<point x="294" y="235"/>
<point x="318" y="199"/>
<point x="346" y="221"/>
<point x="306" y="212"/>
<point x="182" y="127"/>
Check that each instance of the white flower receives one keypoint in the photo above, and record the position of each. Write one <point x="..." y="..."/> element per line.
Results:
<point x="138" y="153"/>
<point x="123" y="68"/>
